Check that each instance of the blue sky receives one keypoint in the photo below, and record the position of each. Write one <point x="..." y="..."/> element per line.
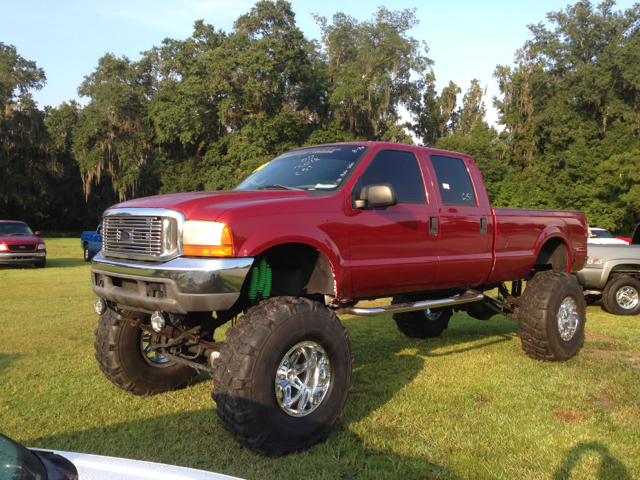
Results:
<point x="466" y="38"/>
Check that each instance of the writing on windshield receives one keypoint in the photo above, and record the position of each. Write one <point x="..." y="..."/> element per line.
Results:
<point x="316" y="169"/>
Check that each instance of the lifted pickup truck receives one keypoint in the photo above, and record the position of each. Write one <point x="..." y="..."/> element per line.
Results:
<point x="297" y="243"/>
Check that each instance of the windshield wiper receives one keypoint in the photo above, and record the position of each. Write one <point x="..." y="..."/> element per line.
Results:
<point x="277" y="186"/>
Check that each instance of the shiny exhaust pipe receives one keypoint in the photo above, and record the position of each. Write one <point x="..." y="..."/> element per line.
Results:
<point x="468" y="297"/>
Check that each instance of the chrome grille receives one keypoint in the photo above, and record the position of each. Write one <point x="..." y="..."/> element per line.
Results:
<point x="127" y="234"/>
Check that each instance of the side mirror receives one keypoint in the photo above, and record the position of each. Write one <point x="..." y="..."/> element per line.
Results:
<point x="378" y="196"/>
<point x="38" y="234"/>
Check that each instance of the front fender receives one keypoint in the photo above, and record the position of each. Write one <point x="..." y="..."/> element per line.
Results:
<point x="280" y="234"/>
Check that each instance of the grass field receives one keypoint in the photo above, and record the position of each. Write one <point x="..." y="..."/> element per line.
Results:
<point x="469" y="404"/>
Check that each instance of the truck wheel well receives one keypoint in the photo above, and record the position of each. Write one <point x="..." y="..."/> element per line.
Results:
<point x="299" y="270"/>
<point x="629" y="269"/>
<point x="553" y="254"/>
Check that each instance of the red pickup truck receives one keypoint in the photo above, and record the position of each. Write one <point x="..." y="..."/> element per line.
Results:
<point x="302" y="240"/>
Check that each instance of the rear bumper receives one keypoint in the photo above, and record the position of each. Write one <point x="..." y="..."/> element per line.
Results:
<point x="10" y="258"/>
<point x="178" y="286"/>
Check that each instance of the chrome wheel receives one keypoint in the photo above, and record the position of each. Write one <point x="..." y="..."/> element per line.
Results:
<point x="568" y="318"/>
<point x="627" y="297"/>
<point x="432" y="315"/>
<point x="302" y="379"/>
<point x="150" y="355"/>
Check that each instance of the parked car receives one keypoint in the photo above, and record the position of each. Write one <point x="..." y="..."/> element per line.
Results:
<point x="20" y="462"/>
<point x="599" y="236"/>
<point x="301" y="241"/>
<point x="19" y="244"/>
<point x="612" y="273"/>
<point x="91" y="242"/>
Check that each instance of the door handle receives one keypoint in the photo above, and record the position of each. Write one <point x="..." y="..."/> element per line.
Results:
<point x="483" y="226"/>
<point x="433" y="225"/>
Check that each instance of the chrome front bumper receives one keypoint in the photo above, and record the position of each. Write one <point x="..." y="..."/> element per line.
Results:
<point x="178" y="286"/>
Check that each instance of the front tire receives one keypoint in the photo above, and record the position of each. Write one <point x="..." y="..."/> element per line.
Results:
<point x="429" y="323"/>
<point x="552" y="317"/>
<point x="87" y="254"/>
<point x="124" y="356"/>
<point x="283" y="375"/>
<point x="41" y="264"/>
<point x="621" y="296"/>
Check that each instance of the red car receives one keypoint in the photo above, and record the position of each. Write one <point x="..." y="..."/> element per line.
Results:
<point x="18" y="244"/>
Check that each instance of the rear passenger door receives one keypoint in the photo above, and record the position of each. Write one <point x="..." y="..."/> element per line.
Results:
<point x="391" y="248"/>
<point x="465" y="224"/>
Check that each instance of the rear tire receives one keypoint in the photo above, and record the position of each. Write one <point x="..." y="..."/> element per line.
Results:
<point x="87" y="253"/>
<point x="264" y="386"/>
<point x="120" y="352"/>
<point x="621" y="296"/>
<point x="552" y="317"/>
<point x="429" y="323"/>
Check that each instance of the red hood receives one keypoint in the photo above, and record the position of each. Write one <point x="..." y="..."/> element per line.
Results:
<point x="19" y="239"/>
<point x="210" y="205"/>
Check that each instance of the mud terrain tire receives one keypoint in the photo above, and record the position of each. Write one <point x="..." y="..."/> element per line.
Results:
<point x="621" y="296"/>
<point x="422" y="323"/>
<point x="248" y="372"/>
<point x="119" y="353"/>
<point x="552" y="317"/>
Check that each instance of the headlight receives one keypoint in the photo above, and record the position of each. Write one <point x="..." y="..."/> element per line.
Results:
<point x="3" y="248"/>
<point x="41" y="246"/>
<point x="206" y="239"/>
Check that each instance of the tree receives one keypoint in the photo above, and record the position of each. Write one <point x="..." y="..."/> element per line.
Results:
<point x="571" y="111"/>
<point x="369" y="67"/>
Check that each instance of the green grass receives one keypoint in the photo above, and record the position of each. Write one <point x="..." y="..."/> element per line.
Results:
<point x="469" y="404"/>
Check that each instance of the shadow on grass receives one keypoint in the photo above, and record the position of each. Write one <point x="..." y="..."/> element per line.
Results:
<point x="51" y="263"/>
<point x="65" y="262"/>
<point x="6" y="359"/>
<point x="610" y="467"/>
<point x="196" y="439"/>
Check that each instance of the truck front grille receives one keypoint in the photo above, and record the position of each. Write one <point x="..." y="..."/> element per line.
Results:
<point x="128" y="234"/>
<point x="22" y="248"/>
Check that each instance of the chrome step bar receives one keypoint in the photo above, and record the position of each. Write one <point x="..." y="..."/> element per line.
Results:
<point x="468" y="297"/>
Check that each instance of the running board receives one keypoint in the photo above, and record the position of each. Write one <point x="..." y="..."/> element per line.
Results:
<point x="470" y="296"/>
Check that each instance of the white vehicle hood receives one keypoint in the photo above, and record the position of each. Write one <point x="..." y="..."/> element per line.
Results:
<point x="98" y="467"/>
<point x="607" y="241"/>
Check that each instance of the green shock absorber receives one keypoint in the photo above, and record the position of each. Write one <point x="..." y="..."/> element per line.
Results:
<point x="263" y="278"/>
<point x="253" y="286"/>
<point x="267" y="284"/>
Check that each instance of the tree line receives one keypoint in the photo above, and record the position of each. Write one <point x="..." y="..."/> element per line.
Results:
<point x="202" y="113"/>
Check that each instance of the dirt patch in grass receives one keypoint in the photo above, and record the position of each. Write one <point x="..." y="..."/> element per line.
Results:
<point x="604" y="402"/>
<point x="632" y="358"/>
<point x="567" y="416"/>
<point x="599" y="338"/>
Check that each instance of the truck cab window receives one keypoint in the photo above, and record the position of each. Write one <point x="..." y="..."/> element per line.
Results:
<point x="398" y="169"/>
<point x="454" y="181"/>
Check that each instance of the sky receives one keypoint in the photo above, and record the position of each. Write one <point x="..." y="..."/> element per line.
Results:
<point x="467" y="39"/>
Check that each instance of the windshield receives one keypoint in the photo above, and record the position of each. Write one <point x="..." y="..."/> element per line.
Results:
<point x="15" y="229"/>
<point x="599" y="234"/>
<point x="17" y="462"/>
<point x="316" y="169"/>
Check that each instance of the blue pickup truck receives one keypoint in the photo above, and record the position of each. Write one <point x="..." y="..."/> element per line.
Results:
<point x="91" y="243"/>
